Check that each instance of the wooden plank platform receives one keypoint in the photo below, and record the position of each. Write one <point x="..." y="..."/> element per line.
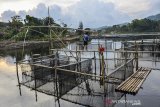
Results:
<point x="134" y="82"/>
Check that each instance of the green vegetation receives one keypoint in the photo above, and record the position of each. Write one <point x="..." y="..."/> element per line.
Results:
<point x="13" y="29"/>
<point x="136" y="26"/>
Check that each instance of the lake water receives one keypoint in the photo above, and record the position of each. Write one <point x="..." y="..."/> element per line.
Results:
<point x="148" y="95"/>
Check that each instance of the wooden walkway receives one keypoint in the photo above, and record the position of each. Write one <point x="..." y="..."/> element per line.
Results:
<point x="134" y="82"/>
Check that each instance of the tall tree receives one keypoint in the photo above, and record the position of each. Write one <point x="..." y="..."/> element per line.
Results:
<point x="80" y="25"/>
<point x="15" y="24"/>
<point x="80" y="28"/>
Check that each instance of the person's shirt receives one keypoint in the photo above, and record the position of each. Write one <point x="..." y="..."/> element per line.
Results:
<point x="85" y="38"/>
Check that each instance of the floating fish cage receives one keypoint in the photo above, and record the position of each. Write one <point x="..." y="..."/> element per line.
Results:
<point x="41" y="73"/>
<point x="88" y="77"/>
<point x="72" y="79"/>
<point x="73" y="76"/>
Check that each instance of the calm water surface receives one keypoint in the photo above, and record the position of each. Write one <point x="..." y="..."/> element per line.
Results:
<point x="148" y="95"/>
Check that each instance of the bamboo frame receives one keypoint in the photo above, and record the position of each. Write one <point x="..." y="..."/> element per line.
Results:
<point x="106" y="51"/>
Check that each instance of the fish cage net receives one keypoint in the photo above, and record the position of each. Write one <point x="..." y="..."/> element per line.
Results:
<point x="50" y="60"/>
<point x="90" y="93"/>
<point x="146" y="46"/>
<point x="93" y="46"/>
<point x="40" y="73"/>
<point x="124" y="71"/>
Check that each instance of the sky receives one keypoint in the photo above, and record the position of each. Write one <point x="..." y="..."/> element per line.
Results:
<point x="93" y="13"/>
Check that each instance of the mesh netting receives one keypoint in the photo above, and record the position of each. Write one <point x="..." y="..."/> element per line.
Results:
<point x="123" y="72"/>
<point x="70" y="86"/>
<point x="37" y="70"/>
<point x="42" y="78"/>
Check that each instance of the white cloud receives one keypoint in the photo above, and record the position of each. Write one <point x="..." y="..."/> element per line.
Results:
<point x="92" y="13"/>
<point x="96" y="13"/>
<point x="6" y="15"/>
<point x="18" y="5"/>
<point x="137" y="8"/>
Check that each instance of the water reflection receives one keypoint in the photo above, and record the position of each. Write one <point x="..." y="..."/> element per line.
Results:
<point x="89" y="92"/>
<point x="7" y="65"/>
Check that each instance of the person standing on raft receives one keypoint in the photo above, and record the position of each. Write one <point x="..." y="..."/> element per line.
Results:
<point x="85" y="40"/>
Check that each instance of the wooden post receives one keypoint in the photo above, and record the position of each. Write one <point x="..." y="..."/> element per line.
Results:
<point x="77" y="60"/>
<point x="114" y="55"/>
<point x="136" y="55"/>
<point x="99" y="57"/>
<point x="103" y="71"/>
<point x="35" y="84"/>
<point x="95" y="63"/>
<point x="155" y="44"/>
<point x="80" y="61"/>
<point x="36" y="90"/>
<point x="50" y="33"/>
<point x="125" y="65"/>
<point x="19" y="85"/>
<point x="56" y="79"/>
<point x="106" y="66"/>
<point x="100" y="64"/>
<point x="106" y="56"/>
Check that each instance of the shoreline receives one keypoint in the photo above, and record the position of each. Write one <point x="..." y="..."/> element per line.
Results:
<point x="11" y="45"/>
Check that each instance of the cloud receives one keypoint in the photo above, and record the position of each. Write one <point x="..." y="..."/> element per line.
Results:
<point x="93" y="13"/>
<point x="137" y="8"/>
<point x="154" y="6"/>
<point x="6" y="15"/>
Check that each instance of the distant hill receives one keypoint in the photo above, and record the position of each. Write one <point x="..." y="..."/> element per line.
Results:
<point x="105" y="27"/>
<point x="100" y="28"/>
<point x="154" y="17"/>
<point x="3" y="24"/>
<point x="123" y="24"/>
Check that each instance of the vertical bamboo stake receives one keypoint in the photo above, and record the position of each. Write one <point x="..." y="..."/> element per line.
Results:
<point x="136" y="55"/>
<point x="56" y="79"/>
<point x="95" y="64"/>
<point x="103" y="71"/>
<point x="125" y="65"/>
<point x="35" y="84"/>
<point x="50" y="35"/>
<point x="106" y="56"/>
<point x="80" y="60"/>
<point x="99" y="57"/>
<point x="106" y="67"/>
<point x="155" y="49"/>
<point x="19" y="85"/>
<point x="114" y="56"/>
<point x="77" y="59"/>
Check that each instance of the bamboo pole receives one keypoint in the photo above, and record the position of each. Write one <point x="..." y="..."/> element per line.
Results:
<point x="136" y="55"/>
<point x="106" y="64"/>
<point x="56" y="80"/>
<point x="19" y="85"/>
<point x="35" y="84"/>
<point x="95" y="64"/>
<point x="108" y="51"/>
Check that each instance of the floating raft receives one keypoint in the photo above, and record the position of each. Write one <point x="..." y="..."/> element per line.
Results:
<point x="134" y="82"/>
